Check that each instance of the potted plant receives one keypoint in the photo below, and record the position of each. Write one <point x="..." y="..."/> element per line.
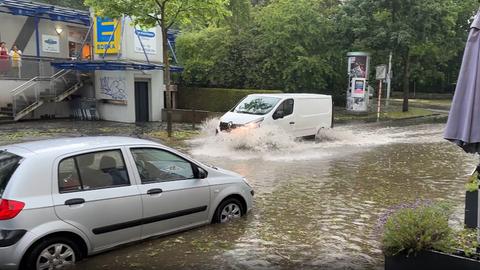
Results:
<point x="471" y="201"/>
<point x="418" y="236"/>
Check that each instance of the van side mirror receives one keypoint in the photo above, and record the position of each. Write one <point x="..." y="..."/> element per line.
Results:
<point x="202" y="174"/>
<point x="278" y="115"/>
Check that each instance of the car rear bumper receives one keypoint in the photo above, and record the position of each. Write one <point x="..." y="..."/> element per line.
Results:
<point x="11" y="254"/>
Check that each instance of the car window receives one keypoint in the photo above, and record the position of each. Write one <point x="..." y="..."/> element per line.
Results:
<point x="8" y="164"/>
<point x="68" y="179"/>
<point x="96" y="170"/>
<point x="155" y="165"/>
<point x="286" y="107"/>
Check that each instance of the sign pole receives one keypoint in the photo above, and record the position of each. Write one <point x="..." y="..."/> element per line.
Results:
<point x="389" y="79"/>
<point x="379" y="100"/>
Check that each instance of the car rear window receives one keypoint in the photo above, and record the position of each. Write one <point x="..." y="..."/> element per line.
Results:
<point x="8" y="164"/>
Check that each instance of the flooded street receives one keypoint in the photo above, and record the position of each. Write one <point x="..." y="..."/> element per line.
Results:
<point x="316" y="204"/>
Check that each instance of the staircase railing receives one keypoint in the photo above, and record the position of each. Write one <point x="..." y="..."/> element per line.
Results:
<point x="33" y="93"/>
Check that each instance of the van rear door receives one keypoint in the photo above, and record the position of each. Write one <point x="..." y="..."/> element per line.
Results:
<point x="311" y="115"/>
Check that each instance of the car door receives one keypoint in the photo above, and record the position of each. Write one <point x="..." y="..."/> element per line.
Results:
<point x="96" y="194"/>
<point x="283" y="116"/>
<point x="173" y="196"/>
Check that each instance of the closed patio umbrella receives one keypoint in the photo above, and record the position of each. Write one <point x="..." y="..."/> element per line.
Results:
<point x="463" y="126"/>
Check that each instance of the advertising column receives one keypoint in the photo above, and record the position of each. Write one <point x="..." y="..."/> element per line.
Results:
<point x="357" y="94"/>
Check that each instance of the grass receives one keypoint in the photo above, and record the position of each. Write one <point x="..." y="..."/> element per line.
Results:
<point x="178" y="137"/>
<point x="393" y="114"/>
<point x="412" y="112"/>
<point x="428" y="102"/>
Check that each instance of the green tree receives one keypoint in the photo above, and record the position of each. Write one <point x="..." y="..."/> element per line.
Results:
<point x="240" y="14"/>
<point x="76" y="4"/>
<point x="297" y="44"/>
<point x="164" y="13"/>
<point x="420" y="33"/>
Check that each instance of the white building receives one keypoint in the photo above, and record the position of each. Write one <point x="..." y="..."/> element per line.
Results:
<point x="74" y="64"/>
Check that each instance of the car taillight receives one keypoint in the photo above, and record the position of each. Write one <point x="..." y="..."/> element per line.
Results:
<point x="10" y="209"/>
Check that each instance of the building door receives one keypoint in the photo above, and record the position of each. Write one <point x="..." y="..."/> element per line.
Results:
<point x="141" y="102"/>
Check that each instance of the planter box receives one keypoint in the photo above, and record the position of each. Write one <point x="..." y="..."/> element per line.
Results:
<point x="431" y="260"/>
<point x="471" y="208"/>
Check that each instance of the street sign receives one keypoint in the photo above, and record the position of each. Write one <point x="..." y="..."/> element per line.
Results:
<point x="381" y="73"/>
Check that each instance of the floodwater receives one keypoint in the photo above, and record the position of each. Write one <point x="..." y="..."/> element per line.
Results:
<point x="316" y="204"/>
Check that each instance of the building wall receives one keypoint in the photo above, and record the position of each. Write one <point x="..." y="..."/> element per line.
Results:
<point x="124" y="110"/>
<point x="127" y="46"/>
<point x="11" y="26"/>
<point x="116" y="112"/>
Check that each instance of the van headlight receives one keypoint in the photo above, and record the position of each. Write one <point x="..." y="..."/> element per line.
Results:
<point x="255" y="123"/>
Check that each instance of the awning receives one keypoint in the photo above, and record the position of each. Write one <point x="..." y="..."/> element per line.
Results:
<point x="45" y="11"/>
<point x="110" y="65"/>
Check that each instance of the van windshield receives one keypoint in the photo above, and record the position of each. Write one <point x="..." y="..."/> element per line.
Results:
<point x="257" y="105"/>
<point x="8" y="164"/>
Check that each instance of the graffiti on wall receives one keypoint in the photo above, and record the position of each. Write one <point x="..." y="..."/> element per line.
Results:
<point x="113" y="88"/>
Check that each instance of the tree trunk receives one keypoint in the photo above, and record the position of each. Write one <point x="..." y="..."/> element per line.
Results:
<point x="406" y="80"/>
<point x="166" y="77"/>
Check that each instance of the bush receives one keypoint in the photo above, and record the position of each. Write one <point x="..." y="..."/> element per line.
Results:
<point x="214" y="99"/>
<point x="418" y="227"/>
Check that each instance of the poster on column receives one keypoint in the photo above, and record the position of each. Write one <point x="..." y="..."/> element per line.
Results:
<point x="50" y="44"/>
<point x="146" y="38"/>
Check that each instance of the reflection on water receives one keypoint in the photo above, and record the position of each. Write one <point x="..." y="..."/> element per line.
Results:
<point x="316" y="204"/>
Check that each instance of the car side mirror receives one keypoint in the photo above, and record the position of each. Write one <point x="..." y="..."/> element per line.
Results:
<point x="202" y="174"/>
<point x="278" y="115"/>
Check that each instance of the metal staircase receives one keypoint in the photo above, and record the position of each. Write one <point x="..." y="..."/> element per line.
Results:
<point x="39" y="90"/>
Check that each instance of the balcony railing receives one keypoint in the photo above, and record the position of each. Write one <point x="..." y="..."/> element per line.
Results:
<point x="26" y="69"/>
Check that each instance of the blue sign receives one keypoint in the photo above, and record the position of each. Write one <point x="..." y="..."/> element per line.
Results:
<point x="145" y="33"/>
<point x="105" y="28"/>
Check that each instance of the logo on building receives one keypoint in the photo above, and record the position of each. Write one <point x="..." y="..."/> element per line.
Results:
<point x="107" y="35"/>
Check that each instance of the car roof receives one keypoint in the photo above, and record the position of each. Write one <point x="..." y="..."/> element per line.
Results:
<point x="68" y="145"/>
<point x="295" y="95"/>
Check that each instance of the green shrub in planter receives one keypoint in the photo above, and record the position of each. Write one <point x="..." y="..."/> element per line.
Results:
<point x="415" y="228"/>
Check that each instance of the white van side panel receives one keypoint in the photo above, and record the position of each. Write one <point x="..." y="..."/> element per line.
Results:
<point x="311" y="115"/>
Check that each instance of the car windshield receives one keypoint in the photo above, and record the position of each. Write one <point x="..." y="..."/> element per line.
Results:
<point x="8" y="164"/>
<point x="257" y="105"/>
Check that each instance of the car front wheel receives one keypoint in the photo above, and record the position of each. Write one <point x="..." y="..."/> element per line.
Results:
<point x="229" y="210"/>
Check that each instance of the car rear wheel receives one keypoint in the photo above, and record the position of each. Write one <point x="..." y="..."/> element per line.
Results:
<point x="229" y="210"/>
<point x="53" y="253"/>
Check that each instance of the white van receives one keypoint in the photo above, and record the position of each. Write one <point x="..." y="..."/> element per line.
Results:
<point x="301" y="115"/>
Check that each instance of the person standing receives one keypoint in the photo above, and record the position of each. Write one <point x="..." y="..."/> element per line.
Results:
<point x="16" y="56"/>
<point x="4" y="63"/>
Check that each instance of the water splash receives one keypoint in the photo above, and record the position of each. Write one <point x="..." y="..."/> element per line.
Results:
<point x="273" y="143"/>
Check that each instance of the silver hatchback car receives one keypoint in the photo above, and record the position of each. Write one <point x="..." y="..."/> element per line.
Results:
<point x="64" y="199"/>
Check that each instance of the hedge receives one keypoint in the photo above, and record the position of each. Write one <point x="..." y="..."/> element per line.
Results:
<point x="214" y="99"/>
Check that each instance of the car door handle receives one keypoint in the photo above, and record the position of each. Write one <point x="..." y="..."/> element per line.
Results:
<point x="154" y="191"/>
<point x="292" y="123"/>
<point x="74" y="201"/>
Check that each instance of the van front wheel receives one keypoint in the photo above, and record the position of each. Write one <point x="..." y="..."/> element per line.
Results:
<point x="53" y="253"/>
